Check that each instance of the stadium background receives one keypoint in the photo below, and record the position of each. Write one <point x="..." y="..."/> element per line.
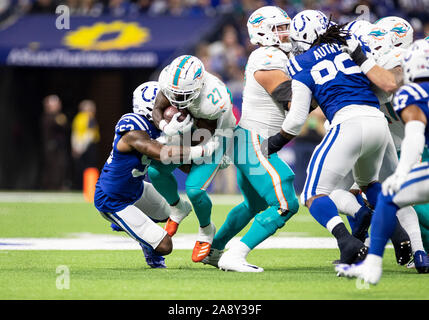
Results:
<point x="108" y="48"/>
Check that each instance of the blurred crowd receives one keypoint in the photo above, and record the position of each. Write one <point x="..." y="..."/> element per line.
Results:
<point x="69" y="147"/>
<point x="225" y="53"/>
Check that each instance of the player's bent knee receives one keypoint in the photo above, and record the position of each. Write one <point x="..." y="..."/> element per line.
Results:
<point x="273" y="218"/>
<point x="165" y="246"/>
<point x="195" y="195"/>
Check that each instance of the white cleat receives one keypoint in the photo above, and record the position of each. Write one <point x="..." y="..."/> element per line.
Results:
<point x="364" y="271"/>
<point x="213" y="257"/>
<point x="228" y="262"/>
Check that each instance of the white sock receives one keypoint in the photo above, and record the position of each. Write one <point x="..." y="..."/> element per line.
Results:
<point x="240" y="249"/>
<point x="374" y="261"/>
<point x="333" y="223"/>
<point x="206" y="234"/>
<point x="410" y="222"/>
<point x="177" y="212"/>
<point x="345" y="201"/>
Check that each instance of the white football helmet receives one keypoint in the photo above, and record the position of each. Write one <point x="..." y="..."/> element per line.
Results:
<point x="262" y="27"/>
<point x="400" y="29"/>
<point x="306" y="26"/>
<point x="416" y="61"/>
<point x="181" y="81"/>
<point x="359" y="27"/>
<point x="379" y="41"/>
<point x="144" y="98"/>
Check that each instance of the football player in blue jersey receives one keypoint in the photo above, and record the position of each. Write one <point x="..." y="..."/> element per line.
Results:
<point x="410" y="183"/>
<point x="121" y="195"/>
<point x="331" y="66"/>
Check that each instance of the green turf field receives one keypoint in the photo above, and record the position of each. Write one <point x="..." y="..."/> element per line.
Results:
<point x="110" y="274"/>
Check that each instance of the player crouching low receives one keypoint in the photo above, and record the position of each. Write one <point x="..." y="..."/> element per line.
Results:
<point x="121" y="195"/>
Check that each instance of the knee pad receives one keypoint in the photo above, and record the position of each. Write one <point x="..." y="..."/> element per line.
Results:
<point x="293" y="205"/>
<point x="273" y="218"/>
<point x="196" y="195"/>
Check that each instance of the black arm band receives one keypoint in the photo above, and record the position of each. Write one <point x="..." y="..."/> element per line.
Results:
<point x="276" y="142"/>
<point x="283" y="93"/>
<point x="358" y="56"/>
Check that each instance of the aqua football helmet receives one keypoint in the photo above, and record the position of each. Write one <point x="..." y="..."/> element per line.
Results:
<point x="182" y="80"/>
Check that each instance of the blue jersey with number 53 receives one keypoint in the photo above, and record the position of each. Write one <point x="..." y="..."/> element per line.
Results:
<point x="334" y="79"/>
<point x="121" y="179"/>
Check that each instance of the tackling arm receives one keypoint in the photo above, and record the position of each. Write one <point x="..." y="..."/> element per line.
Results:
<point x="140" y="141"/>
<point x="382" y="78"/>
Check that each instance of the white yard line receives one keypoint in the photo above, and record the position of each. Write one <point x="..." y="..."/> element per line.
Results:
<point x="65" y="197"/>
<point x="184" y="241"/>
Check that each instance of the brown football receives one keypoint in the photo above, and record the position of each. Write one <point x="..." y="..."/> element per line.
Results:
<point x="170" y="111"/>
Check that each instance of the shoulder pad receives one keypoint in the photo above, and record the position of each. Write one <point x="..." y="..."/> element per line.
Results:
<point x="130" y="122"/>
<point x="268" y="58"/>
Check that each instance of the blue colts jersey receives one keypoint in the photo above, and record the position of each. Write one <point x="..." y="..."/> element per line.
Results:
<point x="334" y="79"/>
<point x="417" y="94"/>
<point x="121" y="180"/>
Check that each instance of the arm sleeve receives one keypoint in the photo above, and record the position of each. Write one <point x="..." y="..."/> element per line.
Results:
<point x="412" y="146"/>
<point x="299" y="109"/>
<point x="283" y="93"/>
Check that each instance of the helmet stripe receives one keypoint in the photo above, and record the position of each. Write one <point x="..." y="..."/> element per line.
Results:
<point x="179" y="69"/>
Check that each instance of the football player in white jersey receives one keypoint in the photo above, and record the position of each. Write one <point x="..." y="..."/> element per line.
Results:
<point x="410" y="182"/>
<point x="387" y="53"/>
<point x="266" y="183"/>
<point x="185" y="84"/>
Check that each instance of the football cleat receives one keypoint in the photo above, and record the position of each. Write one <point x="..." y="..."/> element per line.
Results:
<point x="178" y="213"/>
<point x="363" y="221"/>
<point x="213" y="257"/>
<point x="153" y="259"/>
<point x="229" y="262"/>
<point x="421" y="261"/>
<point x="403" y="252"/>
<point x="402" y="245"/>
<point x="201" y="251"/>
<point x="361" y="270"/>
<point x="204" y="242"/>
<point x="352" y="250"/>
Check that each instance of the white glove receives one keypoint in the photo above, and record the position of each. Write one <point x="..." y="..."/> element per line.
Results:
<point x="174" y="126"/>
<point x="206" y="150"/>
<point x="393" y="183"/>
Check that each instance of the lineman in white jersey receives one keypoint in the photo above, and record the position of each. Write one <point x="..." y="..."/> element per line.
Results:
<point x="260" y="112"/>
<point x="269" y="196"/>
<point x="387" y="49"/>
